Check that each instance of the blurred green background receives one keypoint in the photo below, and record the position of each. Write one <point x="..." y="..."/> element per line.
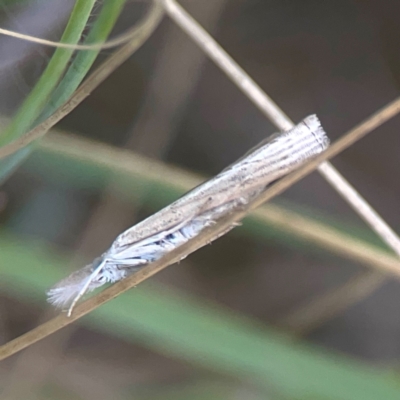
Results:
<point x="289" y="305"/>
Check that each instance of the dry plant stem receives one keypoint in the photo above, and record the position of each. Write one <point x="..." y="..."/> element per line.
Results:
<point x="311" y="315"/>
<point x="337" y="147"/>
<point x="128" y="163"/>
<point x="224" y="61"/>
<point x="202" y="239"/>
<point x="278" y="117"/>
<point x="166" y="98"/>
<point x="327" y="238"/>
<point x="307" y="317"/>
<point x="25" y="378"/>
<point x="248" y="86"/>
<point x="361" y="206"/>
<point x="142" y="32"/>
<point x="124" y="285"/>
<point x="109" y="44"/>
<point x="281" y="120"/>
<point x="244" y="82"/>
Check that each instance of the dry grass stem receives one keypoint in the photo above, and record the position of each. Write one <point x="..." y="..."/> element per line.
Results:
<point x="306" y="317"/>
<point x="109" y="44"/>
<point x="125" y="162"/>
<point x="267" y="106"/>
<point x="142" y="32"/>
<point x="271" y="110"/>
<point x="202" y="239"/>
<point x="329" y="239"/>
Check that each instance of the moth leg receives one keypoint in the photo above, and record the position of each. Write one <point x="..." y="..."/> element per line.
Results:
<point x="85" y="287"/>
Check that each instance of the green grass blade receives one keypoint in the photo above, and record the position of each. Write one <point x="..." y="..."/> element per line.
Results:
<point x="204" y="334"/>
<point x="70" y="81"/>
<point x="89" y="165"/>
<point x="37" y="98"/>
<point x="84" y="59"/>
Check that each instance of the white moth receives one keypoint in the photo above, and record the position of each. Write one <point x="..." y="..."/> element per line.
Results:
<point x="184" y="219"/>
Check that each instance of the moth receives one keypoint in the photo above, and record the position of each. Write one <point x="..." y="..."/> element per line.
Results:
<point x="176" y="224"/>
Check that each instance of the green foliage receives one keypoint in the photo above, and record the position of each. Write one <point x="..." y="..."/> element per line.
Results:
<point x="201" y="333"/>
<point x="81" y="170"/>
<point x="169" y="322"/>
<point x="59" y="81"/>
<point x="37" y="98"/>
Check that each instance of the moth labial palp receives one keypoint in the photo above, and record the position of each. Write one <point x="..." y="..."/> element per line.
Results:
<point x="174" y="225"/>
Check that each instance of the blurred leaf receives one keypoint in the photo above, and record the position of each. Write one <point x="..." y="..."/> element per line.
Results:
<point x="45" y="97"/>
<point x="89" y="165"/>
<point x="12" y="2"/>
<point x="202" y="333"/>
<point x="196" y="390"/>
<point x="39" y="95"/>
<point x="84" y="59"/>
<point x="360" y="231"/>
